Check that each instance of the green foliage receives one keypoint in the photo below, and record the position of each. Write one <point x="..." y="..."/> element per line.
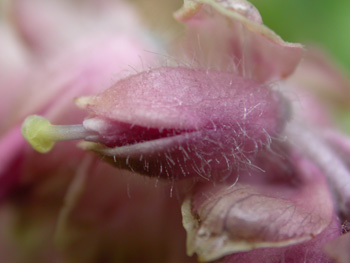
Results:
<point x="322" y="22"/>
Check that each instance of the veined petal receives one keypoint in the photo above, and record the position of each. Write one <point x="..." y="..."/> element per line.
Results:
<point x="309" y="251"/>
<point x="229" y="34"/>
<point x="225" y="219"/>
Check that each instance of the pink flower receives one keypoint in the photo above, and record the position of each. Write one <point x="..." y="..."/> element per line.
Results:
<point x="226" y="128"/>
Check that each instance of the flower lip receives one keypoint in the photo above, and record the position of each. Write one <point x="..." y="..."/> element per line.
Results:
<point x="122" y="135"/>
<point x="183" y="105"/>
<point x="138" y="148"/>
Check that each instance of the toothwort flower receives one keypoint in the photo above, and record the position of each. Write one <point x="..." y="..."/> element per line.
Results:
<point x="231" y="122"/>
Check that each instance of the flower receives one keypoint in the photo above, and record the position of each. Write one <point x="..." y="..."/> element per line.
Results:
<point x="222" y="128"/>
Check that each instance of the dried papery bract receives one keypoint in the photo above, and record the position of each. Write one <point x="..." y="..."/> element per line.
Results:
<point x="229" y="35"/>
<point x="226" y="219"/>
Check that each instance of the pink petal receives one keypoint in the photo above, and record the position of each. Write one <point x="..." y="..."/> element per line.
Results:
<point x="327" y="157"/>
<point x="319" y="89"/>
<point x="310" y="251"/>
<point x="68" y="59"/>
<point x="321" y="76"/>
<point x="81" y="70"/>
<point x="172" y="122"/>
<point x="42" y="24"/>
<point x="82" y="48"/>
<point x="340" y="143"/>
<point x="49" y="26"/>
<point x="14" y="74"/>
<point x="225" y="219"/>
<point x="230" y="35"/>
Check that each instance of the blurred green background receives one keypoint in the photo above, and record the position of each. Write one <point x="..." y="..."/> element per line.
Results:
<point x="323" y="22"/>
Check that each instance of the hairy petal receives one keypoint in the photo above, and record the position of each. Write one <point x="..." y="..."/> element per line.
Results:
<point x="225" y="219"/>
<point x="230" y="35"/>
<point x="178" y="122"/>
<point x="183" y="98"/>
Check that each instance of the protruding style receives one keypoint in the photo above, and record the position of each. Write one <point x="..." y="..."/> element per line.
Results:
<point x="42" y="135"/>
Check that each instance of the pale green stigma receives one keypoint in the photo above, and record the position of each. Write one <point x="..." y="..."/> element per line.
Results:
<point x="42" y="135"/>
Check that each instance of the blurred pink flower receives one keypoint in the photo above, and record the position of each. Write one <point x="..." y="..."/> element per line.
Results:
<point x="250" y="149"/>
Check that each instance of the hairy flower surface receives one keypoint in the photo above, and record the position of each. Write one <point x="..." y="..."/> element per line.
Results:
<point x="234" y="125"/>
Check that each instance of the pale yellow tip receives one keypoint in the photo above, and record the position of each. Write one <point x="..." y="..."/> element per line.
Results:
<point x="83" y="102"/>
<point x="34" y="130"/>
